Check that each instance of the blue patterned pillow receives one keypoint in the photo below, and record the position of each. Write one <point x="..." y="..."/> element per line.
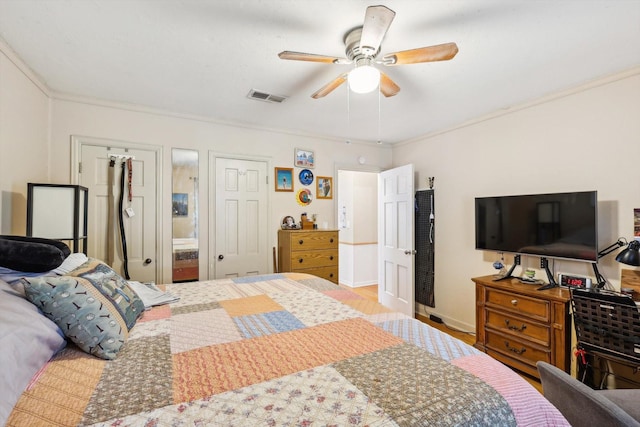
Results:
<point x="93" y="305"/>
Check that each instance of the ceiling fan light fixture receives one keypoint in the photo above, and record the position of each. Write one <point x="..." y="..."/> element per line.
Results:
<point x="364" y="79"/>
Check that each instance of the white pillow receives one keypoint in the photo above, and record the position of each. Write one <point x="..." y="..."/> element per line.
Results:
<point x="70" y="263"/>
<point x="27" y="341"/>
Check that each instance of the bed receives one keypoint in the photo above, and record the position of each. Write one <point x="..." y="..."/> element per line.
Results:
<point x="284" y="349"/>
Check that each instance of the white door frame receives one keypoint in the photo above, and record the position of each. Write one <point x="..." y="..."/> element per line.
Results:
<point x="77" y="141"/>
<point x="271" y="232"/>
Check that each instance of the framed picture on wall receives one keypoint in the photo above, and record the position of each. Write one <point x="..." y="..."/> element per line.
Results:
<point x="284" y="179"/>
<point x="324" y="187"/>
<point x="180" y="204"/>
<point x="304" y="158"/>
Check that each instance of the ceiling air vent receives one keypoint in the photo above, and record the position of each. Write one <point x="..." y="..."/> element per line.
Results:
<point x="266" y="97"/>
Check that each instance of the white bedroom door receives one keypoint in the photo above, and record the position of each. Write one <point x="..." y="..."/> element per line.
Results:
<point x="396" y="239"/>
<point x="241" y="206"/>
<point x="141" y="227"/>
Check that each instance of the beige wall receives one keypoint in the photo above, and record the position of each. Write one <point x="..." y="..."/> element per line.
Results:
<point x="24" y="136"/>
<point x="585" y="139"/>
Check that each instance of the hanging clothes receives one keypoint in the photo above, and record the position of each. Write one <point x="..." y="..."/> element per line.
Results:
<point x="425" y="245"/>
<point x="123" y="236"/>
<point x="111" y="251"/>
<point x="114" y="212"/>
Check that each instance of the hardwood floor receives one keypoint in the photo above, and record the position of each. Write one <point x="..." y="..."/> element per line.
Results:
<point x="371" y="292"/>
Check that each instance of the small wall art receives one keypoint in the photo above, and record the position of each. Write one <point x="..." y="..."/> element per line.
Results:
<point x="180" y="204"/>
<point x="304" y="158"/>
<point x="306" y="177"/>
<point x="284" y="179"/>
<point x="304" y="197"/>
<point x="324" y="187"/>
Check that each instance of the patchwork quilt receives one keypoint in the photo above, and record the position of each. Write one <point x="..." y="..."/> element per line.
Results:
<point x="280" y="350"/>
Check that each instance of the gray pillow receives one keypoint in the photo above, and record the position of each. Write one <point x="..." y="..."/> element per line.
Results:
<point x="93" y="305"/>
<point x="27" y="341"/>
<point x="31" y="254"/>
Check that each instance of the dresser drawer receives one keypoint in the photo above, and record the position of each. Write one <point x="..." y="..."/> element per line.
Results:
<point x="514" y="348"/>
<point x="329" y="273"/>
<point x="311" y="259"/>
<point x="519" y="327"/>
<point x="304" y="241"/>
<point x="535" y="308"/>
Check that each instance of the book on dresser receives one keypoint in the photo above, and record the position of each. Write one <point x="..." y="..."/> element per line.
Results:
<point x="519" y="325"/>
<point x="309" y="251"/>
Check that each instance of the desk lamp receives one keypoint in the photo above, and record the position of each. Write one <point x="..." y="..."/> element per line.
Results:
<point x="630" y="256"/>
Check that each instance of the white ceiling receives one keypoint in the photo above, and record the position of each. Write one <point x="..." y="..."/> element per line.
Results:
<point x="201" y="58"/>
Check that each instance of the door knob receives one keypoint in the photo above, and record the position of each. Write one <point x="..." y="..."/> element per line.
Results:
<point x="147" y="261"/>
<point x="220" y="257"/>
<point x="410" y="252"/>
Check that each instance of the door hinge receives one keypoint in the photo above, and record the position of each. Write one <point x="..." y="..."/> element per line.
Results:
<point x="79" y="167"/>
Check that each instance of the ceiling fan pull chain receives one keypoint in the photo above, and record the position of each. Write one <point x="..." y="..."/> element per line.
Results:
<point x="349" y="111"/>
<point x="379" y="115"/>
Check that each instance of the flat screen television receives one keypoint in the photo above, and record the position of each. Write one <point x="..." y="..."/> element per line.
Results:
<point x="556" y="225"/>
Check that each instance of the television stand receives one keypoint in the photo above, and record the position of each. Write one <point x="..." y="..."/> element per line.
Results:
<point x="516" y="262"/>
<point x="544" y="263"/>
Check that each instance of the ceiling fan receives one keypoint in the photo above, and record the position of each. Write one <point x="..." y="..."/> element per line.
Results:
<point x="362" y="48"/>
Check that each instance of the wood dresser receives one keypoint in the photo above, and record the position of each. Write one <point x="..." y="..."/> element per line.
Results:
<point x="309" y="251"/>
<point x="519" y="325"/>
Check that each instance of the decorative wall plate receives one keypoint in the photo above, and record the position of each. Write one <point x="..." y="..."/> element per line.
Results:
<point x="306" y="177"/>
<point x="304" y="197"/>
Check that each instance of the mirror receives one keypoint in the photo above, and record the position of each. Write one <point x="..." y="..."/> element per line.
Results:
<point x="184" y="211"/>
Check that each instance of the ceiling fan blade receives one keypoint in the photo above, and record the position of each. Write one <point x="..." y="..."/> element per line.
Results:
<point x="329" y="87"/>
<point x="441" y="52"/>
<point x="387" y="86"/>
<point x="376" y="23"/>
<point x="301" y="56"/>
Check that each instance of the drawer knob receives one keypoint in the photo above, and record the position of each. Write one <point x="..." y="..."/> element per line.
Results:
<point x="300" y="260"/>
<point x="514" y="302"/>
<point x="331" y="258"/>
<point x="330" y="274"/>
<point x="515" y="328"/>
<point x="331" y="240"/>
<point x="300" y="241"/>
<point x="513" y="349"/>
